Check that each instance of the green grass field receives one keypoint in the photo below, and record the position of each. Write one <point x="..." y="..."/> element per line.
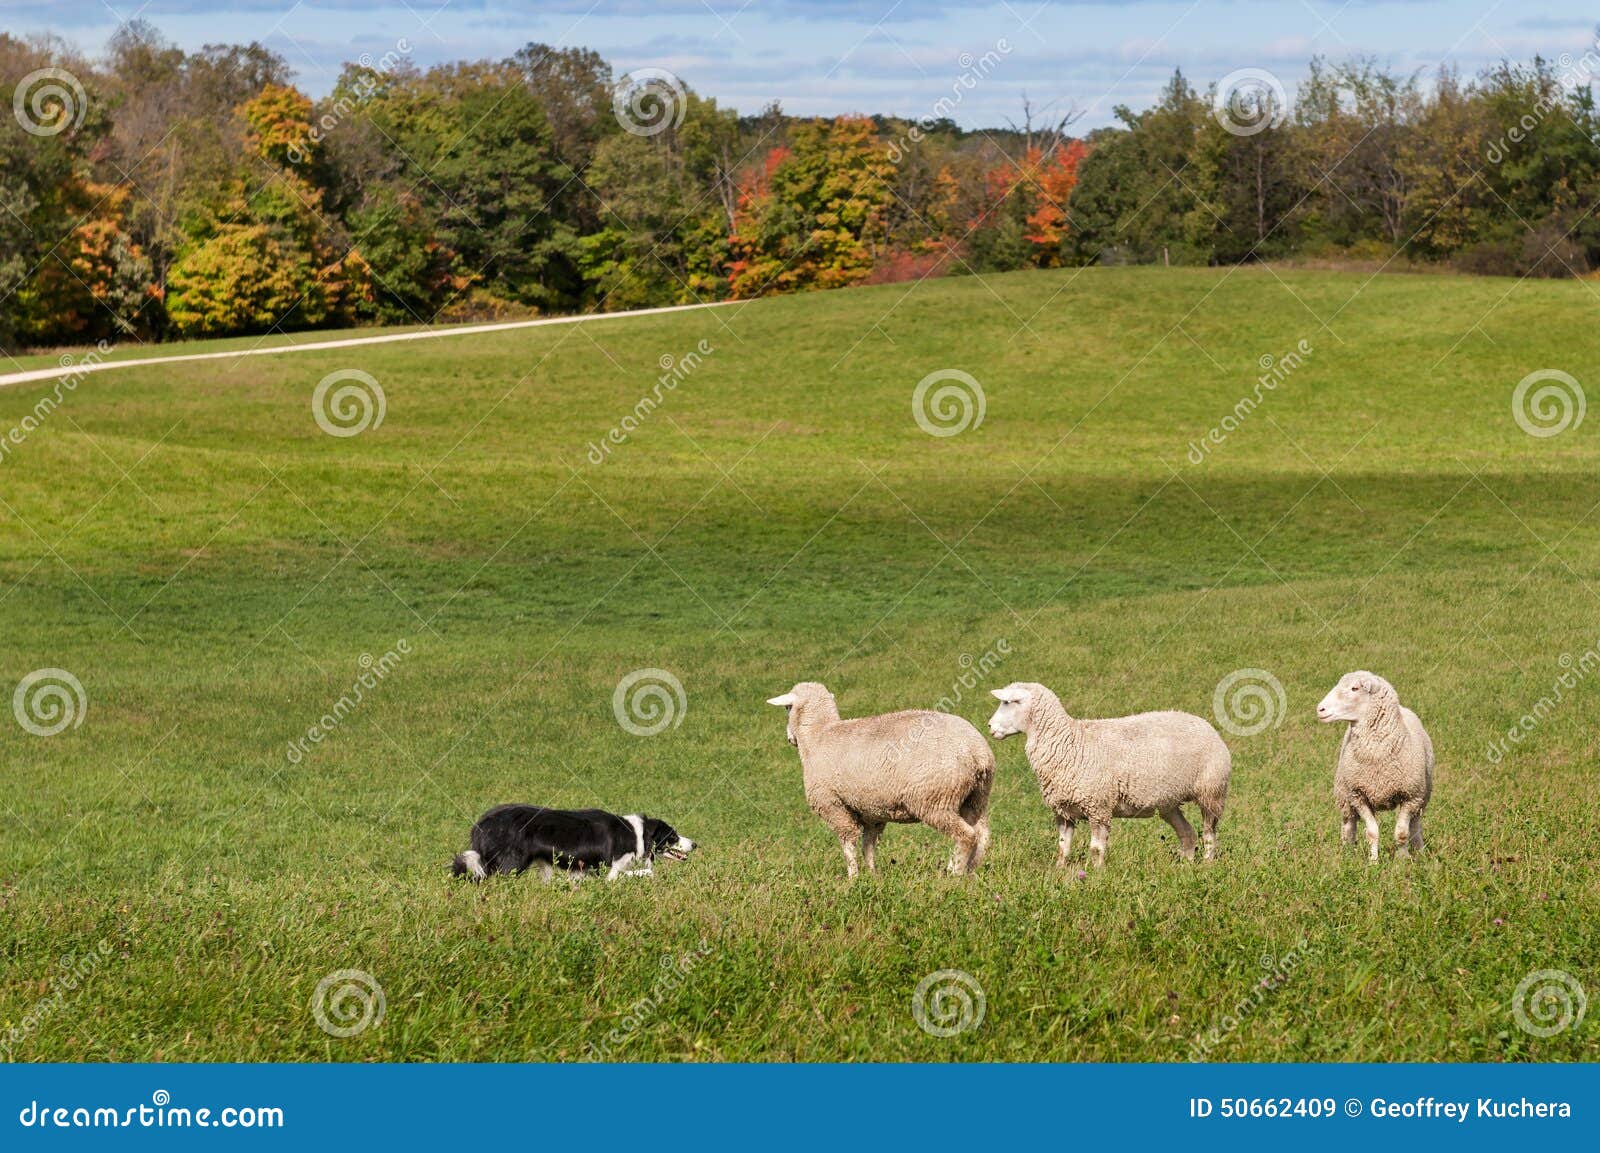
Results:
<point x="211" y="567"/>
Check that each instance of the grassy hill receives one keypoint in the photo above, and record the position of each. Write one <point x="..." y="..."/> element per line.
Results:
<point x="214" y="569"/>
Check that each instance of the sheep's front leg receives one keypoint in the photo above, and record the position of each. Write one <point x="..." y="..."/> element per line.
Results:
<point x="847" y="842"/>
<point x="1099" y="834"/>
<point x="1370" y="819"/>
<point x="1186" y="839"/>
<point x="845" y="826"/>
<point x="869" y="845"/>
<point x="1064" y="828"/>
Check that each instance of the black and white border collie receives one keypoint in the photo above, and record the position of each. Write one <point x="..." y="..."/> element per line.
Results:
<point x="512" y="838"/>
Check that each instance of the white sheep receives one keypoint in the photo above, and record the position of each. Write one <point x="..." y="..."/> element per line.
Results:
<point x="1093" y="770"/>
<point x="1385" y="761"/>
<point x="903" y="767"/>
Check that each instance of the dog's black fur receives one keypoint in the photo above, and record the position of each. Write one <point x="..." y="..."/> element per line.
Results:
<point x="512" y="838"/>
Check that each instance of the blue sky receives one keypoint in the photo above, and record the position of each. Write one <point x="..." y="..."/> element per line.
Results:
<point x="892" y="56"/>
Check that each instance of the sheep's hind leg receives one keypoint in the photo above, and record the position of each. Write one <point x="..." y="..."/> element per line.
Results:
<point x="975" y="811"/>
<point x="1099" y="835"/>
<point x="964" y="836"/>
<point x="1347" y="827"/>
<point x="1209" y="818"/>
<point x="869" y="845"/>
<point x="1407" y="830"/>
<point x="1064" y="827"/>
<point x="981" y="827"/>
<point x="1186" y="839"/>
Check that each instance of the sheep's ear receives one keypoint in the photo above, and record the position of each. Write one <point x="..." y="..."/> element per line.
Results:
<point x="782" y="702"/>
<point x="1009" y="695"/>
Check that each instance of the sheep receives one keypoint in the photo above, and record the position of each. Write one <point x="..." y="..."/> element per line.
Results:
<point x="1135" y="766"/>
<point x="903" y="767"/>
<point x="1385" y="761"/>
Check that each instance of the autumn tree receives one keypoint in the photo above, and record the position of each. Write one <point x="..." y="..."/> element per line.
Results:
<point x="814" y="214"/>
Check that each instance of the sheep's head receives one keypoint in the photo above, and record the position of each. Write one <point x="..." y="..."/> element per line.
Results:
<point x="808" y="700"/>
<point x="1015" y="711"/>
<point x="1355" y="697"/>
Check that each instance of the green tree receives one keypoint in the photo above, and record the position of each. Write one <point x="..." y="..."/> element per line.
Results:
<point x="1136" y="194"/>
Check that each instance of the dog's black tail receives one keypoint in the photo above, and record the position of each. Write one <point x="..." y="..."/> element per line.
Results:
<point x="468" y="864"/>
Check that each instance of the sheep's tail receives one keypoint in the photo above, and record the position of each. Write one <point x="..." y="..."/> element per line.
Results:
<point x="468" y="864"/>
<point x="1211" y="793"/>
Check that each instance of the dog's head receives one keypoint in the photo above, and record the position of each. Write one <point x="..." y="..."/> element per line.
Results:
<point x="662" y="840"/>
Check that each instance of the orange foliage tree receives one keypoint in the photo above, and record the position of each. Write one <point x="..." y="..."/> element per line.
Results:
<point x="1026" y="210"/>
<point x="813" y="215"/>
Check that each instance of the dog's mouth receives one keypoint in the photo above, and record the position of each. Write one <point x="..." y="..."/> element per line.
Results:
<point x="677" y="852"/>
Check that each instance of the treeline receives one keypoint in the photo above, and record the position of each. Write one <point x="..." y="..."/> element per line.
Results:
<point x="156" y="193"/>
<point x="1497" y="175"/>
